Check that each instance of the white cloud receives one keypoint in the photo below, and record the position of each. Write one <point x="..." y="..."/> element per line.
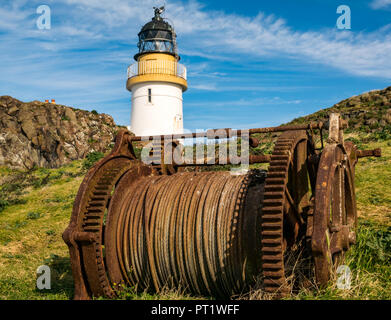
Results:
<point x="211" y="33"/>
<point x="379" y="4"/>
<point x="215" y="32"/>
<point x="256" y="102"/>
<point x="205" y="87"/>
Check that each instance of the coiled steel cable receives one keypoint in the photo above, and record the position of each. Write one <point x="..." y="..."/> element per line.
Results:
<point x="196" y="231"/>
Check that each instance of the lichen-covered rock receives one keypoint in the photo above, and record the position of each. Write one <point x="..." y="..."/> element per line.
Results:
<point x="387" y="116"/>
<point x="50" y="135"/>
<point x="369" y="112"/>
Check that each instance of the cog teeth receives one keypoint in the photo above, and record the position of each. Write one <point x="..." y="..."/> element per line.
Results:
<point x="273" y="258"/>
<point x="92" y="222"/>
<point x="272" y="218"/>
<point x="267" y="249"/>
<point x="277" y="275"/>
<point x="99" y="193"/>
<point x="272" y="241"/>
<point x="273" y="213"/>
<point x="271" y="210"/>
<point x="275" y="195"/>
<point x="274" y="182"/>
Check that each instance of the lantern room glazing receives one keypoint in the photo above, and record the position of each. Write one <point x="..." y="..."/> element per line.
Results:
<point x="157" y="36"/>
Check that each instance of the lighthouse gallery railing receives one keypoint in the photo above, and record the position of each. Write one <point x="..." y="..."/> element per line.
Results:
<point x="165" y="67"/>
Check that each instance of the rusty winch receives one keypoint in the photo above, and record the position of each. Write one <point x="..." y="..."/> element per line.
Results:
<point x="214" y="233"/>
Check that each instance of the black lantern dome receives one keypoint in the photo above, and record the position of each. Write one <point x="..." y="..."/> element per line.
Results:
<point x="157" y="36"/>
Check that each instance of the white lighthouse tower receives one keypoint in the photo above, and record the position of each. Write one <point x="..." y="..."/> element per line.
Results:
<point x="157" y="81"/>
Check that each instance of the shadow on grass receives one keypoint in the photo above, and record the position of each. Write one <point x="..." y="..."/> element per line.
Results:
<point x="61" y="277"/>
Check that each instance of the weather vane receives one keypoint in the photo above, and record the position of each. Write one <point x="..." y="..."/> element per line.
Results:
<point x="158" y="12"/>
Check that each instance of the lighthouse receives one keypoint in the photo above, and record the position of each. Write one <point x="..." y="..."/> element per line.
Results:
<point x="157" y="81"/>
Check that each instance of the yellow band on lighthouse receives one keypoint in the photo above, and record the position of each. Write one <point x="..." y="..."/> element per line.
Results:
<point x="157" y="67"/>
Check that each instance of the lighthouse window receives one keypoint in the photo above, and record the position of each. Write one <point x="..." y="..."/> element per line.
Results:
<point x="150" y="95"/>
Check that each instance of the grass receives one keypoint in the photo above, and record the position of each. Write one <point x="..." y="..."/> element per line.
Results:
<point x="370" y="264"/>
<point x="370" y="259"/>
<point x="35" y="208"/>
<point x="92" y="158"/>
<point x="373" y="176"/>
<point x="30" y="232"/>
<point x="130" y="293"/>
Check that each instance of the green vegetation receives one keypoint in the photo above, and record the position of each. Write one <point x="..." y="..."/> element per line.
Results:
<point x="370" y="264"/>
<point x="91" y="159"/>
<point x="3" y="204"/>
<point x="31" y="224"/>
<point x="130" y="293"/>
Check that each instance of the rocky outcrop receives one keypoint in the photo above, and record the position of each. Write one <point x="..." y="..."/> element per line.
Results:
<point x="369" y="112"/>
<point x="50" y="135"/>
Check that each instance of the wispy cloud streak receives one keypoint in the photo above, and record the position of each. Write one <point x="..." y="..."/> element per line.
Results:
<point x="380" y="4"/>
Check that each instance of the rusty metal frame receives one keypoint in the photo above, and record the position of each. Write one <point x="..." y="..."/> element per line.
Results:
<point x="108" y="183"/>
<point x="84" y="235"/>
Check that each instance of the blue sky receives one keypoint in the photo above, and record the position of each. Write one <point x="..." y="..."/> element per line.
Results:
<point x="250" y="63"/>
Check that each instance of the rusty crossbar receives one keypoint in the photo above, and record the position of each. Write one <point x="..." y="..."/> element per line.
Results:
<point x="230" y="133"/>
<point x="369" y="153"/>
<point x="253" y="159"/>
